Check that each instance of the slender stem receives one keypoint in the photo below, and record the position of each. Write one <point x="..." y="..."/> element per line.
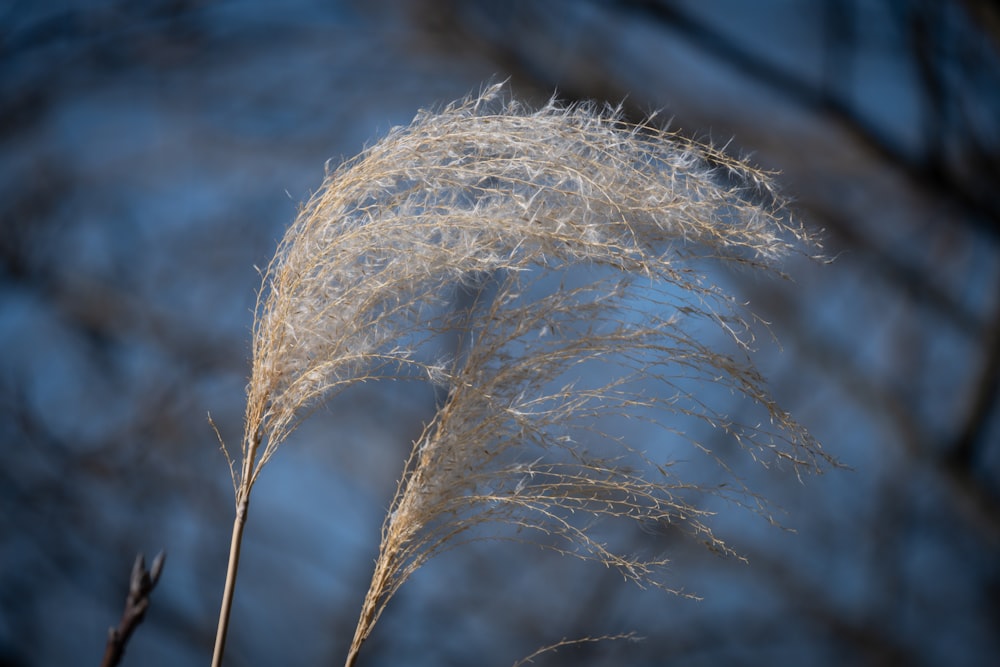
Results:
<point x="368" y="610"/>
<point x="242" y="505"/>
<point x="375" y="599"/>
<point x="227" y="594"/>
<point x="364" y="627"/>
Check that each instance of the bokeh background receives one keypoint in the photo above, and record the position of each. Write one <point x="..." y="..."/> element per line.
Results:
<point x="151" y="154"/>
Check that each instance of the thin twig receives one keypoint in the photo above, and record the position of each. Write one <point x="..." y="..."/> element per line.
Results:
<point x="141" y="585"/>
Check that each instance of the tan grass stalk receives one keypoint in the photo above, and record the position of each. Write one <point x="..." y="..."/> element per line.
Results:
<point x="554" y="246"/>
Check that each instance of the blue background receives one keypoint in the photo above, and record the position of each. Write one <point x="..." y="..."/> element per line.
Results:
<point x="151" y="155"/>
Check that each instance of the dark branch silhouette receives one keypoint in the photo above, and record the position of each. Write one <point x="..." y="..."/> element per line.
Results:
<point x="141" y="584"/>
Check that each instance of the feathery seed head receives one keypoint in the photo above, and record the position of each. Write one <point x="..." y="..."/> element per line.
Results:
<point x="564" y="250"/>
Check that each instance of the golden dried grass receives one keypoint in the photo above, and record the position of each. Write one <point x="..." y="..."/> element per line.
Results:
<point x="579" y="244"/>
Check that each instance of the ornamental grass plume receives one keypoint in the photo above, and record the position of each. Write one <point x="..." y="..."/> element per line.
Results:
<point x="562" y="254"/>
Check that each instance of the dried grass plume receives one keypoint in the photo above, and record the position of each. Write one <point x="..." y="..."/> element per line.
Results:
<point x="561" y="255"/>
